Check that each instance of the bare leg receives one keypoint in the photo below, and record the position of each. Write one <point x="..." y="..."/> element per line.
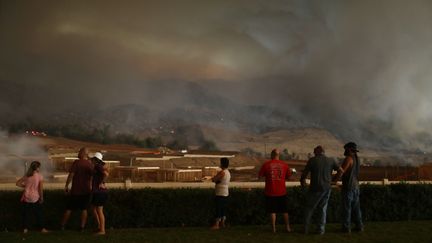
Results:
<point x="286" y="219"/>
<point x="222" y="222"/>
<point x="273" y="221"/>
<point x="83" y="219"/>
<point x="96" y="216"/>
<point x="65" y="218"/>
<point x="215" y="226"/>
<point x="101" y="219"/>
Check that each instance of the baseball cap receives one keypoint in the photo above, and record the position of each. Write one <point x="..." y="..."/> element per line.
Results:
<point x="98" y="155"/>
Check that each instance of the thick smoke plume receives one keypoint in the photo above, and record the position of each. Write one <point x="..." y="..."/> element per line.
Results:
<point x="360" y="69"/>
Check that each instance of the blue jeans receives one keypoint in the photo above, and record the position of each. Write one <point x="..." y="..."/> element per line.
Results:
<point x="319" y="201"/>
<point x="351" y="205"/>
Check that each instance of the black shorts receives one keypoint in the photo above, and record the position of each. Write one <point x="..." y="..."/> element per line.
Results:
<point x="276" y="204"/>
<point x="78" y="202"/>
<point x="99" y="199"/>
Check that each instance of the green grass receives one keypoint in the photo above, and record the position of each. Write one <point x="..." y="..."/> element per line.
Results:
<point x="406" y="231"/>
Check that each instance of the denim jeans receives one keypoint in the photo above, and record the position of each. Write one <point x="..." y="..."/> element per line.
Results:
<point x="351" y="205"/>
<point x="319" y="201"/>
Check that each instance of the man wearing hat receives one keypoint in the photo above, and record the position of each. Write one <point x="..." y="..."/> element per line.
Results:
<point x="350" y="189"/>
<point x="320" y="168"/>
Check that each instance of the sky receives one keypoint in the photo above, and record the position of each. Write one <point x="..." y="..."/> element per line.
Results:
<point x="345" y="65"/>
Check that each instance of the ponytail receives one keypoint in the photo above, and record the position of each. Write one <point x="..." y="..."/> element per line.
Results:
<point x="33" y="166"/>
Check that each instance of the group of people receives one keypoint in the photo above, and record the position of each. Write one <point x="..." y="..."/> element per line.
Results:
<point x="321" y="169"/>
<point x="88" y="185"/>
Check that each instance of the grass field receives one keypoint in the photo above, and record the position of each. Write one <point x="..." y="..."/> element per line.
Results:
<point x="406" y="231"/>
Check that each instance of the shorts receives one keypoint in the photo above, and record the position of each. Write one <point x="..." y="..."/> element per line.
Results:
<point x="277" y="204"/>
<point x="99" y="199"/>
<point x="78" y="202"/>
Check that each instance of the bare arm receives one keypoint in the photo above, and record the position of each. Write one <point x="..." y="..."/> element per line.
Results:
<point x="41" y="199"/>
<point x="346" y="164"/>
<point x="68" y="181"/>
<point x="105" y="172"/>
<point x="218" y="176"/>
<point x="20" y="182"/>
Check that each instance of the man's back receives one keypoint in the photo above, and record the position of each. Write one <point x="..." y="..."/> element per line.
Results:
<point x="275" y="172"/>
<point x="83" y="172"/>
<point x="321" y="168"/>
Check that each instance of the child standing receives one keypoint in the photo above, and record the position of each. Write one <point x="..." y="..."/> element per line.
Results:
<point x="221" y="180"/>
<point x="32" y="197"/>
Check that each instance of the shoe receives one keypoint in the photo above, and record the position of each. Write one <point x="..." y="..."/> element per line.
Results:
<point x="100" y="233"/>
<point x="25" y="231"/>
<point x="43" y="230"/>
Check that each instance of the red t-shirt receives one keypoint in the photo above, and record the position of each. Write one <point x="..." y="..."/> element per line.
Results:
<point x="275" y="172"/>
<point x="81" y="182"/>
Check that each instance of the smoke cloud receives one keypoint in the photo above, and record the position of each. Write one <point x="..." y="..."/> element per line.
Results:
<point x="16" y="154"/>
<point x="360" y="69"/>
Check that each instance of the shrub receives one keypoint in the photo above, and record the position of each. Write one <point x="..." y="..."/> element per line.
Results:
<point x="194" y="207"/>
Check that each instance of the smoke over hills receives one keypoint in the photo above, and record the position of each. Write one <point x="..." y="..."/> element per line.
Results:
<point x="358" y="69"/>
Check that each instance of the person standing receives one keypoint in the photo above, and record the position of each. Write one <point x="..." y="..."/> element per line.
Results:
<point x="78" y="197"/>
<point x="99" y="191"/>
<point x="221" y="180"/>
<point x="32" y="197"/>
<point x="320" y="168"/>
<point x="350" y="189"/>
<point x="275" y="173"/>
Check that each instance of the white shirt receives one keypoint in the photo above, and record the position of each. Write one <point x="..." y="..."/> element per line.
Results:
<point x="221" y="188"/>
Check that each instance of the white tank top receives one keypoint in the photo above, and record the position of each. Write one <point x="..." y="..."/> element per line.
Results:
<point x="221" y="189"/>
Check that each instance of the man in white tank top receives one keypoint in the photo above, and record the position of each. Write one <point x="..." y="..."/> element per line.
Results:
<point x="221" y="180"/>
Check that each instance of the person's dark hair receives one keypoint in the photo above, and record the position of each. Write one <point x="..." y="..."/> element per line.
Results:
<point x="350" y="147"/>
<point x="97" y="161"/>
<point x="33" y="166"/>
<point x="224" y="162"/>
<point x="274" y="153"/>
<point x="318" y="150"/>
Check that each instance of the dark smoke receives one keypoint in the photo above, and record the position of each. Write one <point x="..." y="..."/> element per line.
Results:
<point x="357" y="68"/>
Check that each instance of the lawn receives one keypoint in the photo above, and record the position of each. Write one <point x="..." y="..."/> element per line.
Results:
<point x="406" y="231"/>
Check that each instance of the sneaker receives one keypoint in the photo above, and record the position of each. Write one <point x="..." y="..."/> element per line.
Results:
<point x="43" y="230"/>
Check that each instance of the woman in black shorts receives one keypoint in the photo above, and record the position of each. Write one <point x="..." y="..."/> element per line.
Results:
<point x="99" y="191"/>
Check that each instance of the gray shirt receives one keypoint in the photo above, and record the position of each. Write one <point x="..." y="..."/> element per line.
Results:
<point x="321" y="168"/>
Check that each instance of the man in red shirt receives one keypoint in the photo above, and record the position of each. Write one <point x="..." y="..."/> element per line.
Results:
<point x="275" y="173"/>
<point x="80" y="174"/>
